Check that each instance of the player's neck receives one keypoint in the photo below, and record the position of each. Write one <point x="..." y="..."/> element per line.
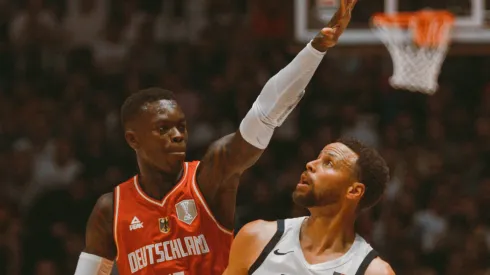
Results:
<point x="328" y="230"/>
<point x="155" y="183"/>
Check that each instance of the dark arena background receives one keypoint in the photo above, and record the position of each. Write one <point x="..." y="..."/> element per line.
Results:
<point x="67" y="65"/>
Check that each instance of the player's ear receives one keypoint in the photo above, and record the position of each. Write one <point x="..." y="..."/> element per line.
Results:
<point x="355" y="191"/>
<point x="131" y="139"/>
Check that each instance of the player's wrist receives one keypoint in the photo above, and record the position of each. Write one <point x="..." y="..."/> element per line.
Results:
<point x="89" y="264"/>
<point x="316" y="48"/>
<point x="318" y="44"/>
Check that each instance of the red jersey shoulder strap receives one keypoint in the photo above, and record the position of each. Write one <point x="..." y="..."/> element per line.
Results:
<point x="115" y="220"/>
<point x="194" y="186"/>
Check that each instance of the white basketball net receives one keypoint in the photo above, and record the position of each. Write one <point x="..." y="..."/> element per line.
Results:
<point x="415" y="68"/>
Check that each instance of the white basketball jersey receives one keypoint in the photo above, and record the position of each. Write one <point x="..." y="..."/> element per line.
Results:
<point x="283" y="255"/>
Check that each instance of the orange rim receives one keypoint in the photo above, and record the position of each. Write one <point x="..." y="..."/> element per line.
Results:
<point x="430" y="27"/>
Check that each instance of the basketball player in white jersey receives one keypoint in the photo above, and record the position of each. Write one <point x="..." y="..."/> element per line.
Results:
<point x="346" y="178"/>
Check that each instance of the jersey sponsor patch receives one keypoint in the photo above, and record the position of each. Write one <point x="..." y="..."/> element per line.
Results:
<point x="186" y="211"/>
<point x="135" y="224"/>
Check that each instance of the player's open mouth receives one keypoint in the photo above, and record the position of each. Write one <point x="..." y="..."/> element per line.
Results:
<point x="299" y="185"/>
<point x="303" y="181"/>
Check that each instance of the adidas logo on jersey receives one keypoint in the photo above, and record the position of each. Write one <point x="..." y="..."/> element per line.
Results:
<point x="135" y="224"/>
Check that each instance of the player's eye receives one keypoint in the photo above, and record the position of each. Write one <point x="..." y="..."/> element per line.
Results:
<point x="328" y="163"/>
<point x="163" y="129"/>
<point x="182" y="127"/>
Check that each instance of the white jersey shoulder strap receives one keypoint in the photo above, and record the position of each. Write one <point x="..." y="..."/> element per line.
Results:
<point x="366" y="262"/>
<point x="269" y="247"/>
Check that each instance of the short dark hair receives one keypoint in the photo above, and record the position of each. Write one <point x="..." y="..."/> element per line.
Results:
<point x="372" y="171"/>
<point x="132" y="105"/>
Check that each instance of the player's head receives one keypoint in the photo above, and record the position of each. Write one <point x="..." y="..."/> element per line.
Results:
<point x="345" y="172"/>
<point x="155" y="127"/>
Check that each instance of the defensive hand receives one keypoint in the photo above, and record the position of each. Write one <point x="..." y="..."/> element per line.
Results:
<point x="329" y="35"/>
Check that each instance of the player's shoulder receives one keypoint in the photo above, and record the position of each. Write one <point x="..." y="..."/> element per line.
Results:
<point x="258" y="230"/>
<point x="105" y="204"/>
<point x="255" y="235"/>
<point x="106" y="199"/>
<point x="249" y="243"/>
<point x="379" y="267"/>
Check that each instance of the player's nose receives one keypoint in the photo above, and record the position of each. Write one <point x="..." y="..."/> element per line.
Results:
<point x="310" y="166"/>
<point x="178" y="136"/>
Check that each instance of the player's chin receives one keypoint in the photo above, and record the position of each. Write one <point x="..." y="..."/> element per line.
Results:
<point x="302" y="198"/>
<point x="177" y="156"/>
<point x="176" y="161"/>
<point x="172" y="162"/>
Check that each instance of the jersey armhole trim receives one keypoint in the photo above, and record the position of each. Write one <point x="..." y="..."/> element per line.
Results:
<point x="366" y="262"/>
<point x="115" y="220"/>
<point x="204" y="203"/>
<point x="268" y="248"/>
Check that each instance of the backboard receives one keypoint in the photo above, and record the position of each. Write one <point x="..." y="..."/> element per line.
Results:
<point x="471" y="25"/>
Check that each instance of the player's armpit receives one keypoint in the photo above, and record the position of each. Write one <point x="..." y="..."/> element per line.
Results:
<point x="225" y="158"/>
<point x="99" y="238"/>
<point x="233" y="154"/>
<point x="379" y="267"/>
<point x="247" y="246"/>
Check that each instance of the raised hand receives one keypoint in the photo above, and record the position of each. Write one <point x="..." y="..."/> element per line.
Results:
<point x="329" y="35"/>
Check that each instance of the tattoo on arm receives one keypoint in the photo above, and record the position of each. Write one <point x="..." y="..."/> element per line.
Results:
<point x="230" y="155"/>
<point x="99" y="238"/>
<point x="225" y="160"/>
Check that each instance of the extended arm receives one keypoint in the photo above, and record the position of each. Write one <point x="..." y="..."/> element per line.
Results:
<point x="235" y="153"/>
<point x="226" y="159"/>
<point x="100" y="250"/>
<point x="230" y="156"/>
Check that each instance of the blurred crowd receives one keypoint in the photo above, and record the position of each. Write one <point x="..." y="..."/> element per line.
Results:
<point x="67" y="65"/>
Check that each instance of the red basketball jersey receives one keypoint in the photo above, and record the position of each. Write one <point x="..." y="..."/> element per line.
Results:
<point x="175" y="236"/>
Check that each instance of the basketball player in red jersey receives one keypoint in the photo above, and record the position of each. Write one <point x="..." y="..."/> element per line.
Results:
<point x="176" y="217"/>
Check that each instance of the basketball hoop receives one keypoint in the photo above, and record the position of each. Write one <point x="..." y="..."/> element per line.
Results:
<point x="418" y="44"/>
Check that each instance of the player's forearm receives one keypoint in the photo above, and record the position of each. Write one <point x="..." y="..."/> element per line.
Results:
<point x="287" y="84"/>
<point x="279" y="97"/>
